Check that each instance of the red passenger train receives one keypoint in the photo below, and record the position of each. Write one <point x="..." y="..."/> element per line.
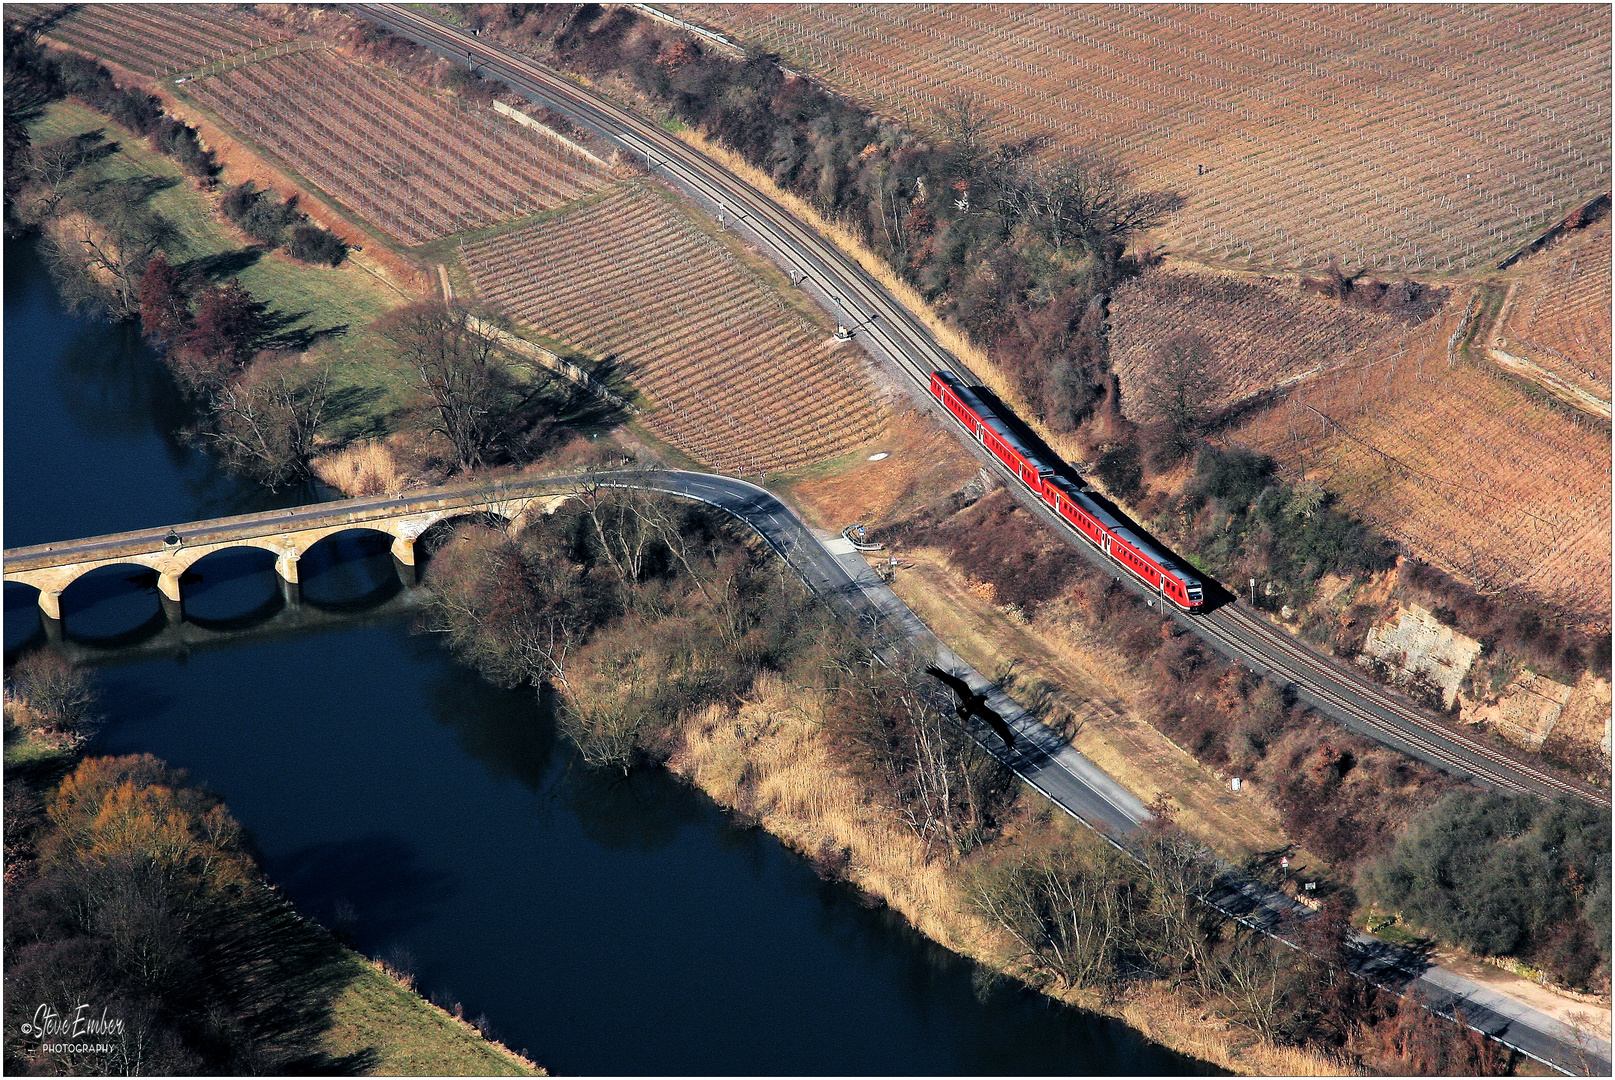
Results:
<point x="1103" y="529"/>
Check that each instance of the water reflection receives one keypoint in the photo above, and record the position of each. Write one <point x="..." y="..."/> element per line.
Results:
<point x="232" y="589"/>
<point x="113" y="606"/>
<point x="375" y="881"/>
<point x="111" y="384"/>
<point x="22" y="625"/>
<point x="349" y="571"/>
<point x="510" y="731"/>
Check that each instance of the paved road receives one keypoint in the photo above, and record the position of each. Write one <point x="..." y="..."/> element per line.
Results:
<point x="895" y="336"/>
<point x="835" y="571"/>
<point x="831" y="569"/>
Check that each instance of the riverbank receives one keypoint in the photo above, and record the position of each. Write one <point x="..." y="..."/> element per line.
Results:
<point x="711" y="663"/>
<point x="768" y="762"/>
<point x="276" y="989"/>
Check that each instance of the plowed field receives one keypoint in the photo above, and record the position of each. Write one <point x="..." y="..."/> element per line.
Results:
<point x="154" y="39"/>
<point x="415" y="165"/>
<point x="1465" y="467"/>
<point x="736" y="378"/>
<point x="1416" y="138"/>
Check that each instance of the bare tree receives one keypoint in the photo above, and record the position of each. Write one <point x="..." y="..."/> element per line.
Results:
<point x="461" y="374"/>
<point x="113" y="235"/>
<point x="1184" y="386"/>
<point x="1072" y="913"/>
<point x="514" y="613"/>
<point x="964" y="124"/>
<point x="1084" y="199"/>
<point x="53" y="686"/>
<point x="54" y="164"/>
<point x="892" y="725"/>
<point x="609" y="721"/>
<point x="1179" y="933"/>
<point x="631" y="525"/>
<point x="1256" y="979"/>
<point x="265" y="422"/>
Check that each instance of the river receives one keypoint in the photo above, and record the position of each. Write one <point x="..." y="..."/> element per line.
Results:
<point x="603" y="925"/>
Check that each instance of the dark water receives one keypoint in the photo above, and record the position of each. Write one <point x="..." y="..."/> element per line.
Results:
<point x="608" y="926"/>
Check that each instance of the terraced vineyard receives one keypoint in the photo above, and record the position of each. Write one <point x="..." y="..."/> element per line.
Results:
<point x="736" y="378"/>
<point x="1412" y="138"/>
<point x="1462" y="466"/>
<point x="1264" y="331"/>
<point x="1559" y="313"/>
<point x="416" y="166"/>
<point x="154" y="39"/>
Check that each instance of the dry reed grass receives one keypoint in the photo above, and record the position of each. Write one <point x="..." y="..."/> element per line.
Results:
<point x="767" y="761"/>
<point x="367" y="467"/>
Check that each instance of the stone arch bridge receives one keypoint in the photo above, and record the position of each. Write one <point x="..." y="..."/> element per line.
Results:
<point x="287" y="534"/>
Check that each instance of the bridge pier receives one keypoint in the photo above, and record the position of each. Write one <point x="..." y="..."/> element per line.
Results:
<point x="408" y="573"/>
<point x="173" y="609"/>
<point x="286" y="566"/>
<point x="168" y="586"/>
<point x="50" y="604"/>
<point x="291" y="593"/>
<point x="404" y="550"/>
<point x="55" y="632"/>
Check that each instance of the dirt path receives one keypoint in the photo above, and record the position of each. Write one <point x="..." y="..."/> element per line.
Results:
<point x="1592" y="1017"/>
<point x="1492" y="335"/>
<point x="1141" y="758"/>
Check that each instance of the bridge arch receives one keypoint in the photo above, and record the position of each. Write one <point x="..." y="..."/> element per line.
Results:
<point x="340" y="569"/>
<point x="111" y="593"/>
<point x="232" y="587"/>
<point x="434" y="536"/>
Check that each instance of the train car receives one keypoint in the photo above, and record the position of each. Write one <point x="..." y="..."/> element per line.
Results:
<point x="985" y="425"/>
<point x="1111" y="535"/>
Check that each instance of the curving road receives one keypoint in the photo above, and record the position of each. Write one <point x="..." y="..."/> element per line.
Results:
<point x="894" y="335"/>
<point x="830" y="568"/>
<point x="834" y="570"/>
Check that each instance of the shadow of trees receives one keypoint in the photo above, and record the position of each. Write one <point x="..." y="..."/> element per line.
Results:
<point x="163" y="919"/>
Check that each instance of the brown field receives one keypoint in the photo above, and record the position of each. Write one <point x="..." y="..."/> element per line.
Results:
<point x="1471" y="470"/>
<point x="1407" y="138"/>
<point x="1265" y="330"/>
<point x="417" y="166"/>
<point x="736" y="377"/>
<point x="155" y="39"/>
<point x="1558" y="315"/>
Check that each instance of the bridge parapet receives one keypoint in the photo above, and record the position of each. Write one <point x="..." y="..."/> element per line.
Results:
<point x="287" y="534"/>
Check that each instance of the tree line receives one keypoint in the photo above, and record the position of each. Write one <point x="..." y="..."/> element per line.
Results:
<point x="1018" y="244"/>
<point x="133" y="891"/>
<point x="638" y="612"/>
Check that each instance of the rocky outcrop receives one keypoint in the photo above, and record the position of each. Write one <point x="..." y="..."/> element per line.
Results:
<point x="1420" y="653"/>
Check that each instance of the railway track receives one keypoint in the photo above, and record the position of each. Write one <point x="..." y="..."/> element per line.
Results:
<point x="1380" y="714"/>
<point x="905" y="341"/>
